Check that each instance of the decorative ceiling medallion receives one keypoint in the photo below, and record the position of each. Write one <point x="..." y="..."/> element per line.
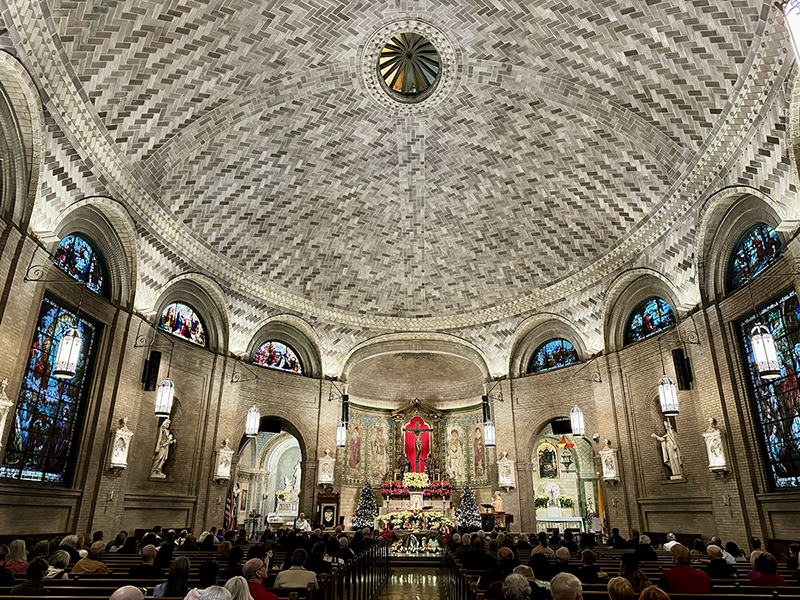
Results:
<point x="408" y="65"/>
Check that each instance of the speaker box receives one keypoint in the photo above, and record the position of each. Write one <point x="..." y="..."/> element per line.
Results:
<point x="683" y="370"/>
<point x="269" y="425"/>
<point x="561" y="427"/>
<point x="150" y="373"/>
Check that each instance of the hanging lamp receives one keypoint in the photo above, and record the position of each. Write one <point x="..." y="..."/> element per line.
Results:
<point x="253" y="421"/>
<point x="488" y="426"/>
<point x="576" y="420"/>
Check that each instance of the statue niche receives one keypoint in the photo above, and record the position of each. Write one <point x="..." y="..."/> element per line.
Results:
<point x="416" y="439"/>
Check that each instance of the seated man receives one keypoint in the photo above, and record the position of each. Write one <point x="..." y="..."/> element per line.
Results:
<point x="718" y="567"/>
<point x="644" y="551"/>
<point x="127" y="592"/>
<point x="34" y="573"/>
<point x="566" y="586"/>
<point x="717" y="541"/>
<point x="301" y="524"/>
<point x="316" y="562"/>
<point x="671" y="541"/>
<point x="296" y="576"/>
<point x="569" y="542"/>
<point x="255" y="572"/>
<point x="478" y="558"/>
<point x="147" y="570"/>
<point x="616" y="540"/>
<point x="538" y="592"/>
<point x="504" y="568"/>
<point x="92" y="563"/>
<point x="683" y="579"/>
<point x="543" y="547"/>
<point x="465" y="548"/>
<point x="562" y="562"/>
<point x="515" y="587"/>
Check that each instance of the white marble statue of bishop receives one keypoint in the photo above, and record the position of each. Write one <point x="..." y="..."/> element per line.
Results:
<point x="670" y="452"/>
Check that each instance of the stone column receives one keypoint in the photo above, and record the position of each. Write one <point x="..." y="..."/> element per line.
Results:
<point x="308" y="490"/>
<point x="525" y="490"/>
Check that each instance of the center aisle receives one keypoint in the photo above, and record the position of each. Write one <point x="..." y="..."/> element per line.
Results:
<point x="413" y="584"/>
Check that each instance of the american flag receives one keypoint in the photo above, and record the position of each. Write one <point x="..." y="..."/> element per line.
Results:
<point x="229" y="504"/>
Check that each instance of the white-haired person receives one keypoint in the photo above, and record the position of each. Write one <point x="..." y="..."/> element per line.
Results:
<point x="516" y="587"/>
<point x="565" y="586"/>
<point x="671" y="541"/>
<point x="238" y="588"/>
<point x="215" y="592"/>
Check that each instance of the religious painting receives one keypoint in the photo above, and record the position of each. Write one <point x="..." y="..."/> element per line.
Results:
<point x="775" y="401"/>
<point x="379" y="458"/>
<point x="455" y="453"/>
<point x="547" y="461"/>
<point x="243" y="505"/>
<point x="755" y="250"/>
<point x="182" y="321"/>
<point x="47" y="417"/>
<point x="77" y="257"/>
<point x="417" y="444"/>
<point x="478" y="453"/>
<point x="277" y="355"/>
<point x="354" y="447"/>
<point x="552" y="355"/>
<point x="648" y="318"/>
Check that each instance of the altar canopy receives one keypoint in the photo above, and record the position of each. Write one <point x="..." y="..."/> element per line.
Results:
<point x="417" y="453"/>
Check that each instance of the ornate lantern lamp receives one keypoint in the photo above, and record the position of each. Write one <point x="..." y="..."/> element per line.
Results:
<point x="488" y="426"/>
<point x="69" y="351"/>
<point x="576" y="419"/>
<point x="668" y="397"/>
<point x="166" y="392"/>
<point x="253" y="421"/>
<point x="764" y="352"/>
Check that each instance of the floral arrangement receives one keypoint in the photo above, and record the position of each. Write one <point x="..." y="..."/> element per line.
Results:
<point x="406" y="519"/>
<point x="282" y="496"/>
<point x="442" y="489"/>
<point x="415" y="481"/>
<point x="395" y="490"/>
<point x="541" y="500"/>
<point x="565" y="501"/>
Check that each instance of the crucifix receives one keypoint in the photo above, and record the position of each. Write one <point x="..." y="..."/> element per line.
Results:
<point x="418" y="431"/>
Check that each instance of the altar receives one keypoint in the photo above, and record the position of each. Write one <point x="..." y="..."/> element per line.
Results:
<point x="560" y="523"/>
<point x="397" y="505"/>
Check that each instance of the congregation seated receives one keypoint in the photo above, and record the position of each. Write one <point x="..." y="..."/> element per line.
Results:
<point x="331" y="555"/>
<point x="538" y="591"/>
<point x="17" y="561"/>
<point x="718" y="567"/>
<point x="190" y="544"/>
<point x="297" y="575"/>
<point x="177" y="584"/>
<point x="565" y="586"/>
<point x="588" y="572"/>
<point x="316" y="561"/>
<point x="70" y="545"/>
<point x="6" y="576"/>
<point x="41" y="548"/>
<point x="129" y="547"/>
<point x="616" y="540"/>
<point x="620" y="588"/>
<point x="345" y="553"/>
<point x="254" y="572"/>
<point x="792" y="559"/>
<point x="118" y="543"/>
<point x="523" y="543"/>
<point x="682" y="578"/>
<point x="562" y="562"/>
<point x="32" y="586"/>
<point x="644" y="551"/>
<point x="93" y="562"/>
<point x="629" y="569"/>
<point x="147" y="570"/>
<point x="698" y="549"/>
<point x="57" y="565"/>
<point x="767" y="566"/>
<point x="754" y="572"/>
<point x="543" y="547"/>
<point x="504" y="567"/>
<point x="478" y="558"/>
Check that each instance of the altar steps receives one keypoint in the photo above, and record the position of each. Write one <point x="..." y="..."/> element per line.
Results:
<point x="415" y="561"/>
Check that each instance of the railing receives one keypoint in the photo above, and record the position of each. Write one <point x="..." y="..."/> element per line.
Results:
<point x="363" y="577"/>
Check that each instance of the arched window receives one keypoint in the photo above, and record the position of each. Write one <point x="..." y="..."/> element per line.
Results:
<point x="755" y="250"/>
<point x="277" y="355"/>
<point x="648" y="318"/>
<point x="77" y="257"/>
<point x="181" y="320"/>
<point x="552" y="355"/>
<point x="43" y="437"/>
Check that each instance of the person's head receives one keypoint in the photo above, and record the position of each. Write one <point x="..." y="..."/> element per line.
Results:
<point x="332" y="547"/>
<point x="37" y="568"/>
<point x="236" y="556"/>
<point x="208" y="574"/>
<point x="478" y="544"/>
<point x="525" y="571"/>
<point x="466" y="539"/>
<point x="493" y="545"/>
<point x="766" y="564"/>
<point x="178" y="578"/>
<point x="543" y="538"/>
<point x="717" y="541"/>
<point x="70" y="541"/>
<point x="714" y="551"/>
<point x="733" y="549"/>
<point x="699" y="546"/>
<point x="225" y="550"/>
<point x="120" y="539"/>
<point x="238" y="588"/>
<point x="157" y="530"/>
<point x="97" y="549"/>
<point x="3" y="554"/>
<point x="17" y="552"/>
<point x="635" y="533"/>
<point x="794" y="549"/>
<point x="516" y="587"/>
<point x="215" y="592"/>
<point x="670" y="537"/>
<point x="568" y="535"/>
<point x="753" y="557"/>
<point x="149" y="538"/>
<point x="644" y="540"/>
<point x="588" y="557"/>
<point x="562" y="555"/>
<point x="755" y="543"/>
<point x="59" y="559"/>
<point x="565" y="586"/>
<point x="540" y="566"/>
<point x="97" y="536"/>
<point x="680" y="555"/>
<point x="629" y="564"/>
<point x="171" y="535"/>
<point x="255" y="570"/>
<point x="344" y="541"/>
<point x="299" y="557"/>
<point x="256" y="552"/>
<point x="128" y="592"/>
<point x="653" y="593"/>
<point x="456" y="538"/>
<point x="42" y="548"/>
<point x="318" y="549"/>
<point x="504" y="556"/>
<point x="523" y="537"/>
<point x="620" y="588"/>
<point x="614" y="531"/>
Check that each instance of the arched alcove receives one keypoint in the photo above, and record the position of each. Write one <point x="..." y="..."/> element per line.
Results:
<point x="535" y="331"/>
<point x="294" y="332"/>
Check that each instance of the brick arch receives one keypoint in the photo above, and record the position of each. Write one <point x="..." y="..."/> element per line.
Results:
<point x="536" y="330"/>
<point x="295" y="332"/>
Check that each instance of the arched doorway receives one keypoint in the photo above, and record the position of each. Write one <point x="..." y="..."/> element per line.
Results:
<point x="565" y="481"/>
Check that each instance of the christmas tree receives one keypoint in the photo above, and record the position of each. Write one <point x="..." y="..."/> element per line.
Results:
<point x="367" y="509"/>
<point x="467" y="515"/>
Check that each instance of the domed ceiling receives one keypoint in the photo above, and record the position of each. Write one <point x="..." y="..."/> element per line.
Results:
<point x="557" y="134"/>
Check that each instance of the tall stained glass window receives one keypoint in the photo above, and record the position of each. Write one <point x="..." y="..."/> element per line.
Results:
<point x="648" y="318"/>
<point x="775" y="401"/>
<point x="278" y="355"/>
<point x="756" y="249"/>
<point x="181" y="320"/>
<point x="77" y="257"/>
<point x="42" y="439"/>
<point x="552" y="355"/>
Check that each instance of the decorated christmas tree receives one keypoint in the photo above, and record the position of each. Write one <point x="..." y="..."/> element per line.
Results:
<point x="367" y="509"/>
<point x="467" y="515"/>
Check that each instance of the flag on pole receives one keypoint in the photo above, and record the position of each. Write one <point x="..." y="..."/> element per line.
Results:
<point x="228" y="525"/>
<point x="601" y="508"/>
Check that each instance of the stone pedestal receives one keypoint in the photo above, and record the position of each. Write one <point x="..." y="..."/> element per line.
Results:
<point x="554" y="512"/>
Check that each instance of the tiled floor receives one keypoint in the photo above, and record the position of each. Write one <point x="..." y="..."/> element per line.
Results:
<point x="413" y="584"/>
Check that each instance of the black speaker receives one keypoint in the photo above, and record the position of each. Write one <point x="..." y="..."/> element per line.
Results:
<point x="150" y="373"/>
<point x="270" y="425"/>
<point x="683" y="370"/>
<point x="561" y="427"/>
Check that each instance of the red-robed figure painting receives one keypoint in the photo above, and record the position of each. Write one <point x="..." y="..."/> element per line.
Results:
<point x="417" y="444"/>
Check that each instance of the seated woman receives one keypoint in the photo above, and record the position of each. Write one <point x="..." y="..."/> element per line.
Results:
<point x="768" y="567"/>
<point x="629" y="569"/>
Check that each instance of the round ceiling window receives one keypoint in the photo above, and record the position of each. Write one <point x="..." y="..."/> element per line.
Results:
<point x="408" y="65"/>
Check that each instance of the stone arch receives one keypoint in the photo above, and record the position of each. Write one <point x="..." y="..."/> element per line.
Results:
<point x="21" y="141"/>
<point x="204" y="295"/>
<point x="295" y="332"/>
<point x="625" y="293"/>
<point x="723" y="218"/>
<point x="434" y="343"/>
<point x="108" y="225"/>
<point x="536" y="330"/>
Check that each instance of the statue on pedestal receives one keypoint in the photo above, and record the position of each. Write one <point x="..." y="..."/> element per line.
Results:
<point x="5" y="405"/>
<point x="326" y="464"/>
<point x="121" y="445"/>
<point x="715" y="448"/>
<point x="670" y="452"/>
<point x="164" y="441"/>
<point x="224" y="457"/>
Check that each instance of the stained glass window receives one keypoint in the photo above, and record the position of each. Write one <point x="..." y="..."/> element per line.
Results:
<point x="552" y="355"/>
<point x="47" y="417"/>
<point x="77" y="257"/>
<point x="756" y="249"/>
<point x="278" y="355"/>
<point x="648" y="318"/>
<point x="181" y="320"/>
<point x="775" y="400"/>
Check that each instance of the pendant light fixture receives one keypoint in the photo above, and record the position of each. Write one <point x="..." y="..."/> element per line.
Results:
<point x="69" y="347"/>
<point x="253" y="421"/>
<point x="164" y="397"/>
<point x="764" y="352"/>
<point x="488" y="426"/>
<point x="667" y="392"/>
<point x="576" y="420"/>
<point x="341" y="429"/>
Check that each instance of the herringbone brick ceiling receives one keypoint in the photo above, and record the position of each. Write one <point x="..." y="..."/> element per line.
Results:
<point x="564" y="128"/>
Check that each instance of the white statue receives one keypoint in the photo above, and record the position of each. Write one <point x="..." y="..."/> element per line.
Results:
<point x="670" y="452"/>
<point x="715" y="448"/>
<point x="608" y="461"/>
<point x="505" y="471"/>
<point x="552" y="491"/>
<point x="224" y="458"/>
<point x="121" y="445"/>
<point x="164" y="441"/>
<point x="5" y="405"/>
<point x="326" y="464"/>
<point x="297" y="476"/>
